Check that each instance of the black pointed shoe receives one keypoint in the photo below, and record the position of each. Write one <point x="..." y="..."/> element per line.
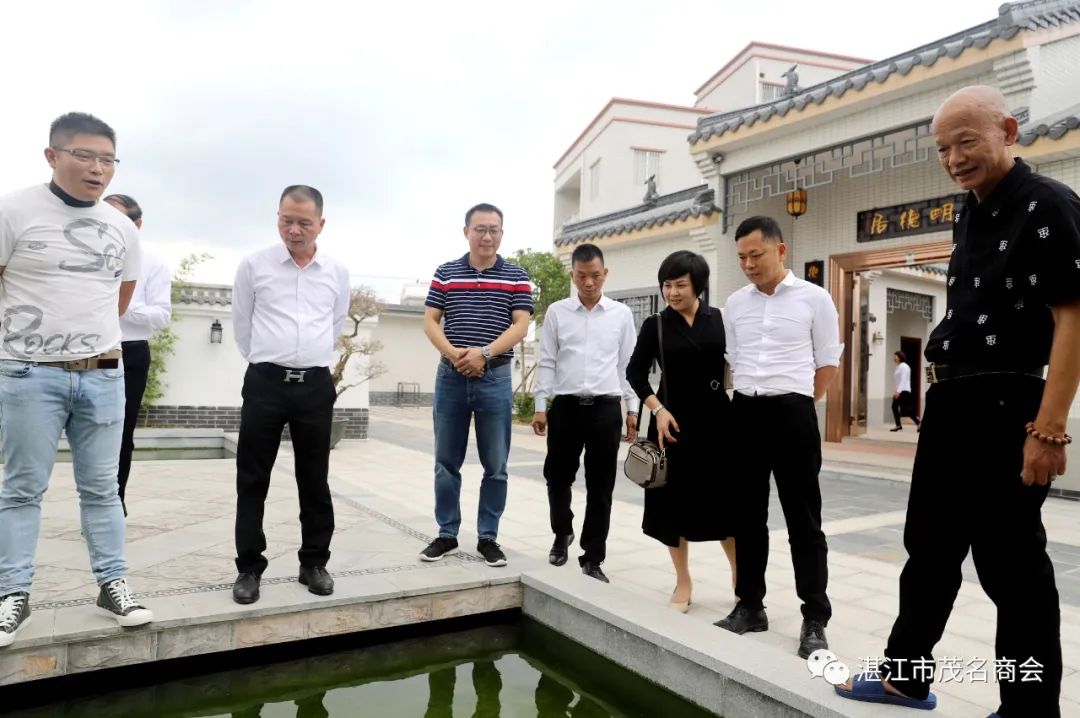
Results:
<point x="593" y="569"/>
<point x="812" y="638"/>
<point x="744" y="620"/>
<point x="560" y="549"/>
<point x="246" y="588"/>
<point x="317" y="579"/>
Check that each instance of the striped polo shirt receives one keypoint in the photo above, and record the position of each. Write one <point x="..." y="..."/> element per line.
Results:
<point x="477" y="304"/>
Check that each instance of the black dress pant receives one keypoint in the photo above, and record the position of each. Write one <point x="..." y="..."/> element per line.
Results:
<point x="779" y="436"/>
<point x="904" y="405"/>
<point x="136" y="369"/>
<point x="966" y="494"/>
<point x="272" y="400"/>
<point x="596" y="428"/>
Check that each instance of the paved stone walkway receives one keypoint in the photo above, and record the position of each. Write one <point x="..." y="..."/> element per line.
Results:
<point x="180" y="542"/>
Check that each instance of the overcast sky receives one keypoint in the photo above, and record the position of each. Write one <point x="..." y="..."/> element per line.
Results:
<point x="403" y="113"/>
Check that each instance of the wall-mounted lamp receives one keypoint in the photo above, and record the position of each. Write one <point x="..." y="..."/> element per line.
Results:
<point x="877" y="338"/>
<point x="215" y="332"/>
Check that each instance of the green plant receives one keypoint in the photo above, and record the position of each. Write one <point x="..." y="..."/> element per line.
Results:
<point x="524" y="406"/>
<point x="163" y="342"/>
<point x="551" y="282"/>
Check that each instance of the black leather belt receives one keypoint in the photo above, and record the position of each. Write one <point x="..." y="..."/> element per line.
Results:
<point x="581" y="400"/>
<point x="288" y="375"/>
<point x="492" y="364"/>
<point x="937" y="373"/>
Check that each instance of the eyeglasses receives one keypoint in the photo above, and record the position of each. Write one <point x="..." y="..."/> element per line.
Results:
<point x="87" y="157"/>
<point x="495" y="232"/>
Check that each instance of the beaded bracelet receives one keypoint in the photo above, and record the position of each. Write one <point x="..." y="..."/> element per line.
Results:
<point x="1034" y="433"/>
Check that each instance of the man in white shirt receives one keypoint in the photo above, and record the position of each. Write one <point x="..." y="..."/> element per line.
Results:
<point x="289" y="306"/>
<point x="903" y="402"/>
<point x="150" y="309"/>
<point x="783" y="344"/>
<point x="68" y="265"/>
<point x="585" y="345"/>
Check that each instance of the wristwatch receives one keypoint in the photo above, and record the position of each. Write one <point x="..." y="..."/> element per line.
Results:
<point x="657" y="410"/>
<point x="486" y="352"/>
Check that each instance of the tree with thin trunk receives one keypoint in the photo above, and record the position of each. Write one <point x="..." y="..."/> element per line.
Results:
<point x="363" y="305"/>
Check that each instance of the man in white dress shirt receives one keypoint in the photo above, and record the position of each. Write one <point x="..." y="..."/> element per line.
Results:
<point x="783" y="343"/>
<point x="585" y="346"/>
<point x="289" y="306"/>
<point x="150" y="310"/>
<point x="903" y="402"/>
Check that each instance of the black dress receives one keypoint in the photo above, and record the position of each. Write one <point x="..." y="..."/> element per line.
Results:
<point x="694" y="504"/>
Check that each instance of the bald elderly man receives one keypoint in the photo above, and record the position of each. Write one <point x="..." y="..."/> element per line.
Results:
<point x="993" y="434"/>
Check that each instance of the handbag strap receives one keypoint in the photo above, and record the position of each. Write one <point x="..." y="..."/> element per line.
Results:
<point x="663" y="364"/>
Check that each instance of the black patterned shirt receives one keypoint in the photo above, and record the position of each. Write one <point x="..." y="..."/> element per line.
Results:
<point x="1015" y="255"/>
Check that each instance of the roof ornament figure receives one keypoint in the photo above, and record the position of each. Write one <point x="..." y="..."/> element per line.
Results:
<point x="651" y="194"/>
<point x="792" y="77"/>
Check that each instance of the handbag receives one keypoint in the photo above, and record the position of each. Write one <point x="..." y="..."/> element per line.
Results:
<point x="646" y="463"/>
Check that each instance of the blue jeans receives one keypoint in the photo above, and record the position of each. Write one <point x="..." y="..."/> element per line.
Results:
<point x="457" y="400"/>
<point x="36" y="404"/>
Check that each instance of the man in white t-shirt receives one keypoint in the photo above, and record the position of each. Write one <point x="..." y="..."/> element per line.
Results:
<point x="903" y="402"/>
<point x="68" y="265"/>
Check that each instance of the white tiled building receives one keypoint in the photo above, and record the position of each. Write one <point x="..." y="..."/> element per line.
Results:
<point x="855" y="136"/>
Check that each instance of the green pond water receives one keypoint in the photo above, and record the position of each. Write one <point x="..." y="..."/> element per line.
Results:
<point x="523" y="669"/>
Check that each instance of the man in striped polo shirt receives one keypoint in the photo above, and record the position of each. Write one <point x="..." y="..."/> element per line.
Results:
<point x="477" y="309"/>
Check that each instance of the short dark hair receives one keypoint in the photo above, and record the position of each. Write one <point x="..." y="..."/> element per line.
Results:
<point x="902" y="355"/>
<point x="586" y="253"/>
<point x="770" y="230"/>
<point x="131" y="207"/>
<point x="482" y="207"/>
<point x="303" y="193"/>
<point x="66" y="126"/>
<point x="683" y="262"/>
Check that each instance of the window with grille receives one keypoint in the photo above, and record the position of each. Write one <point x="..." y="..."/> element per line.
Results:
<point x="770" y="92"/>
<point x="647" y="164"/>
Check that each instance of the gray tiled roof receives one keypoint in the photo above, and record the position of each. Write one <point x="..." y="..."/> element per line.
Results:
<point x="220" y="294"/>
<point x="1052" y="127"/>
<point x="687" y="203"/>
<point x="1012" y="18"/>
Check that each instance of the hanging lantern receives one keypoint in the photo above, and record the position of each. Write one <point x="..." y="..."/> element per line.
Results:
<point x="796" y="203"/>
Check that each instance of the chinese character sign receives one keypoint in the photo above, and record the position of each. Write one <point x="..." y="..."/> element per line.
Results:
<point x="928" y="215"/>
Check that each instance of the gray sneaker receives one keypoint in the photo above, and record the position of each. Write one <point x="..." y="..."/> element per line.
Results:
<point x="14" y="613"/>
<point x="116" y="599"/>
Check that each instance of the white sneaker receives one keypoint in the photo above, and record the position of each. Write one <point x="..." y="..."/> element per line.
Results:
<point x="14" y="613"/>
<point x="115" y="598"/>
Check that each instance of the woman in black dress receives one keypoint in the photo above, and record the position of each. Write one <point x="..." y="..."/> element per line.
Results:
<point x="692" y="420"/>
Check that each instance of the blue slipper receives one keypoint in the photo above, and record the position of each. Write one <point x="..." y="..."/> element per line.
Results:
<point x="872" y="690"/>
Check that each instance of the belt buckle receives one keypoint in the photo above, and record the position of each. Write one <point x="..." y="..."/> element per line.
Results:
<point x="931" y="374"/>
<point x="78" y="364"/>
<point x="296" y="374"/>
<point x="586" y="400"/>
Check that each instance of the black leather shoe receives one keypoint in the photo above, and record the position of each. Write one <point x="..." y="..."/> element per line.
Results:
<point x="744" y="620"/>
<point x="811" y="638"/>
<point x="560" y="549"/>
<point x="317" y="579"/>
<point x="593" y="569"/>
<point x="246" y="588"/>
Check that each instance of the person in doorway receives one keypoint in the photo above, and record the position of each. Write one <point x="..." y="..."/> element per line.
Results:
<point x="691" y="418"/>
<point x="289" y="306"/>
<point x="903" y="401"/>
<point x="586" y="343"/>
<point x="150" y="310"/>
<point x="479" y="306"/>
<point x="68" y="267"/>
<point x="783" y="342"/>
<point x="993" y="434"/>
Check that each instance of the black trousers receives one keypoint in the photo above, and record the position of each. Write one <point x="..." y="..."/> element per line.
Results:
<point x="904" y="405"/>
<point x="966" y="494"/>
<point x="779" y="436"/>
<point x="307" y="407"/>
<point x="596" y="428"/>
<point x="136" y="369"/>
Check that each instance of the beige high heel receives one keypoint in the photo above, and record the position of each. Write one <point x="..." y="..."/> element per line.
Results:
<point x="680" y="606"/>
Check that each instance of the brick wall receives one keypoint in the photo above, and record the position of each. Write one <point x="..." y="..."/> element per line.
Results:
<point x="228" y="419"/>
<point x="391" y="398"/>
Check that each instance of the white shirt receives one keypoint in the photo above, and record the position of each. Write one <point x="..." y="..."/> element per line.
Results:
<point x="902" y="377"/>
<point x="63" y="267"/>
<point x="585" y="352"/>
<point x="287" y="315"/>
<point x="151" y="304"/>
<point x="776" y="343"/>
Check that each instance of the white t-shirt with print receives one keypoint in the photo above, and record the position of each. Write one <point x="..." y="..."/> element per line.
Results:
<point x="63" y="267"/>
